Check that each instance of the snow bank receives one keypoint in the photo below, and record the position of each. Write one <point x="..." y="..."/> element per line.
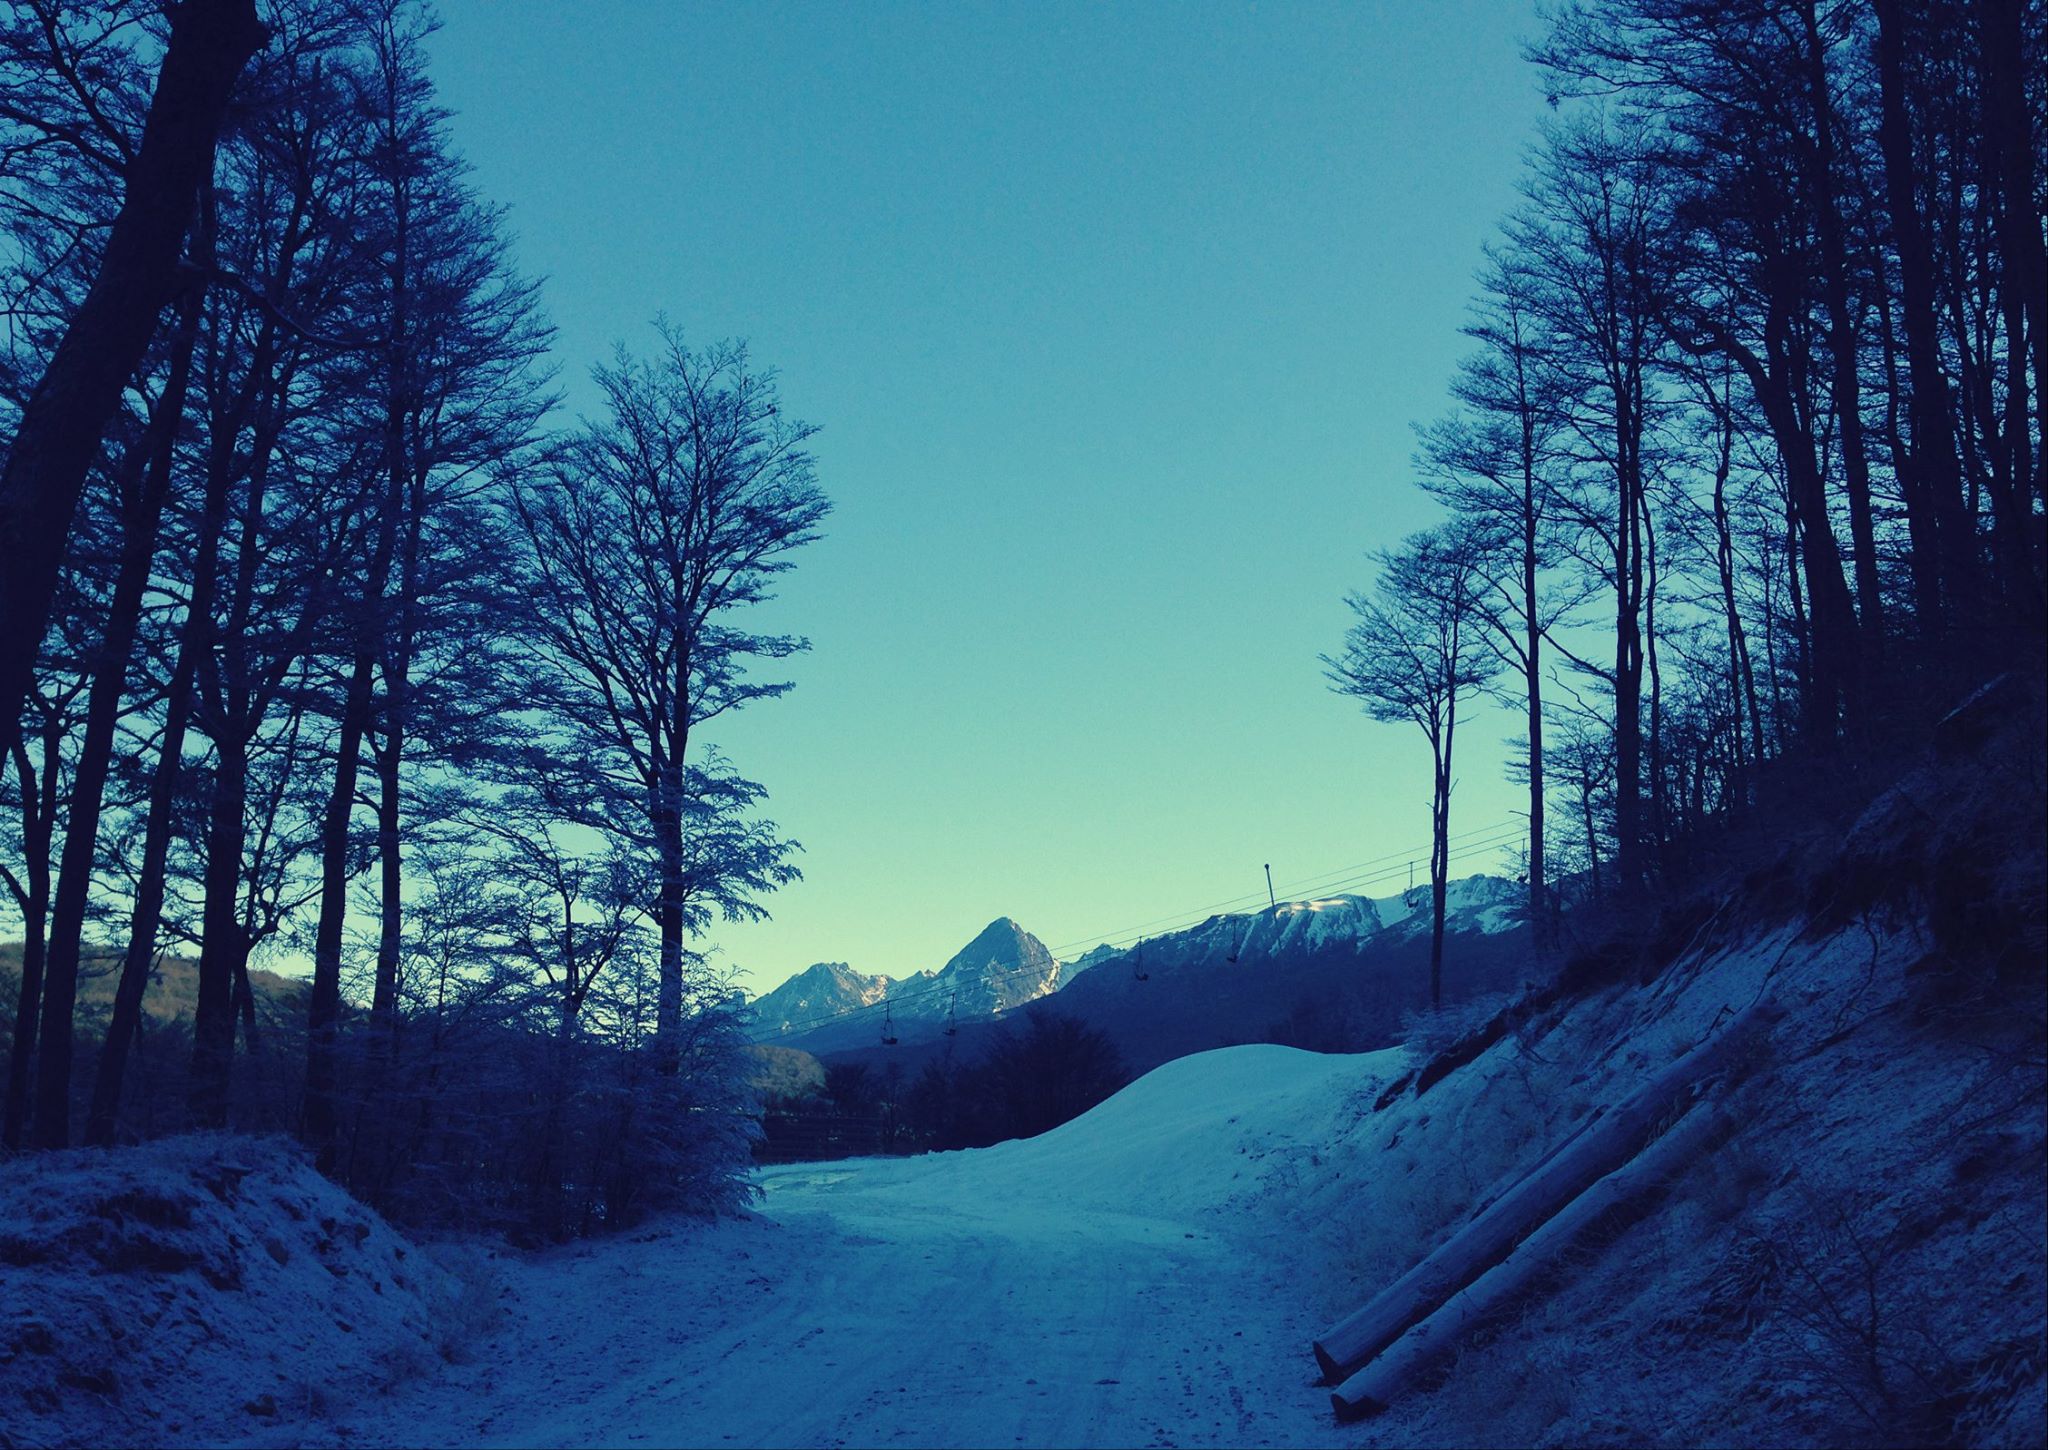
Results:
<point x="198" y="1289"/>
<point x="1187" y="1136"/>
<point x="1202" y="1138"/>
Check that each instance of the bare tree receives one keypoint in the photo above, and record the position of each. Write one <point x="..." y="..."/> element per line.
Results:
<point x="451" y="343"/>
<point x="1489" y="462"/>
<point x="645" y="540"/>
<point x="61" y="425"/>
<point x="1416" y="652"/>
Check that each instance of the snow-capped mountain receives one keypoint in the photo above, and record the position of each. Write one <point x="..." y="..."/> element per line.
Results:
<point x="1005" y="966"/>
<point x="1479" y="905"/>
<point x="831" y="1007"/>
<point x="813" y="996"/>
<point x="1094" y="956"/>
<point x="831" y="1004"/>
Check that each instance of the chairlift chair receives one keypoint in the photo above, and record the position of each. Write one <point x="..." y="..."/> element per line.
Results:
<point x="1138" y="972"/>
<point x="952" y="1028"/>
<point x="888" y="1025"/>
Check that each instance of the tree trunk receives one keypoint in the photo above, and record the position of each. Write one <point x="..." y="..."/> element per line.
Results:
<point x="61" y="425"/>
<point x="2009" y="131"/>
<point x="1532" y="668"/>
<point x="144" y="512"/>
<point x="1930" y="476"/>
<point x="668" y="1013"/>
<point x="390" y="762"/>
<point x="1831" y="670"/>
<point x="1600" y="1146"/>
<point x="323" y="1009"/>
<point x="1868" y="640"/>
<point x="1659" y="813"/>
<point x="1628" y="714"/>
<point x="147" y="913"/>
<point x="1536" y="1260"/>
<point x="222" y="946"/>
<point x="391" y="880"/>
<point x="2009" y="164"/>
<point x="38" y="826"/>
<point x="1440" y="850"/>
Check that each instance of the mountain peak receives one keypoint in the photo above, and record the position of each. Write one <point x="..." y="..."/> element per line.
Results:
<point x="1000" y="944"/>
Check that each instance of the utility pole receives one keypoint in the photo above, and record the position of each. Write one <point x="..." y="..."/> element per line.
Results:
<point x="1269" y="887"/>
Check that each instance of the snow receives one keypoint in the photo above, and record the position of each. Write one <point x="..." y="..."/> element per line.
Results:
<point x="1152" y="1272"/>
<point x="195" y="1287"/>
<point x="1109" y="1283"/>
<point x="1488" y="905"/>
<point x="1181" y="1144"/>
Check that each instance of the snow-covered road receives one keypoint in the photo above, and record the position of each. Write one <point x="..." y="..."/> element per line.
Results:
<point x="1103" y="1285"/>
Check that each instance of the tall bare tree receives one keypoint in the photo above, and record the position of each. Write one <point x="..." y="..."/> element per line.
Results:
<point x="59" y="432"/>
<point x="646" y="540"/>
<point x="1416" y="652"/>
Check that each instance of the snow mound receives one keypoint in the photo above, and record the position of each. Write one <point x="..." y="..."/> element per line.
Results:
<point x="197" y="1288"/>
<point x="1200" y="1136"/>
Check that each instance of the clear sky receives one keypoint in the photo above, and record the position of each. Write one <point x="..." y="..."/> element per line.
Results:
<point x="1116" y="319"/>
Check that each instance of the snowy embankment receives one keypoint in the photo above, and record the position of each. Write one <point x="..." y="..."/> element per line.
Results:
<point x="191" y="1289"/>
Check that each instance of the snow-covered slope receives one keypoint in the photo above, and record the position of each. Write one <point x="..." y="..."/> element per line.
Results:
<point x="198" y="1289"/>
<point x="1190" y="1138"/>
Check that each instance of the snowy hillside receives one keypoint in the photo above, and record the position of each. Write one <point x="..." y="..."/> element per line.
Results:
<point x="1189" y="1139"/>
<point x="196" y="1289"/>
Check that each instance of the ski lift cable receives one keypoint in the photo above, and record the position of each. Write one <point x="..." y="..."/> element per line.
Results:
<point x="1470" y="848"/>
<point x="1293" y="889"/>
<point x="1326" y="882"/>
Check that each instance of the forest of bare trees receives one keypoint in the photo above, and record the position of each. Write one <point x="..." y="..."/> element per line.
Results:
<point x="325" y="639"/>
<point x="1744" y="467"/>
<point x="322" y="637"/>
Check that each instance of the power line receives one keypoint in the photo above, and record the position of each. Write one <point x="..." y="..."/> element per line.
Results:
<point x="1294" y="890"/>
<point x="1496" y="837"/>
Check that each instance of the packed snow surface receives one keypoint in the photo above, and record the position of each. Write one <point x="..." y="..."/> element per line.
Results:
<point x="1105" y="1284"/>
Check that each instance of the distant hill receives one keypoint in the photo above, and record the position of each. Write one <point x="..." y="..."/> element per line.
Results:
<point x="783" y="1073"/>
<point x="173" y="991"/>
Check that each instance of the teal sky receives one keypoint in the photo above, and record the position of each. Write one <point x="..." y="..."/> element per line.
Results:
<point x="1116" y="320"/>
